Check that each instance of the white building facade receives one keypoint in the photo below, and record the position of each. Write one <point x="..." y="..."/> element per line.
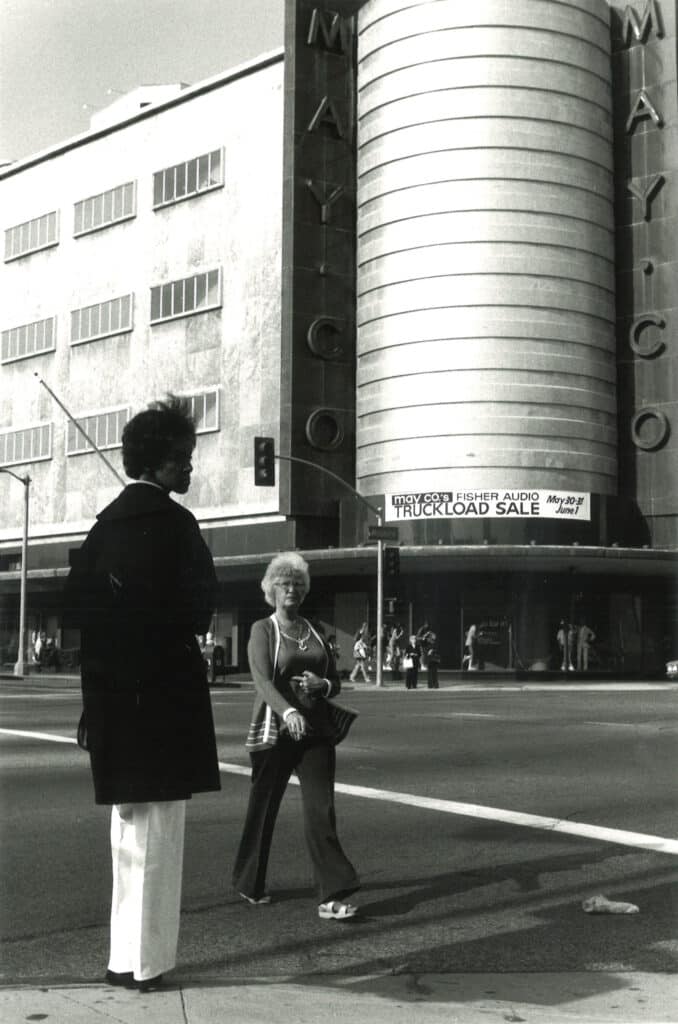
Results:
<point x="429" y="248"/>
<point x="141" y="258"/>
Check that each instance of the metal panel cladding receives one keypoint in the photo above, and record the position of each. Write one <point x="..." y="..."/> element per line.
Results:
<point x="486" y="340"/>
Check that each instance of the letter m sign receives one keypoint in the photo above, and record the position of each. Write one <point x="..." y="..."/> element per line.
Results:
<point x="332" y="27"/>
<point x="639" y="27"/>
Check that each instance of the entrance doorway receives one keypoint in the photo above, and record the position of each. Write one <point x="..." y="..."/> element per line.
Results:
<point x="493" y="638"/>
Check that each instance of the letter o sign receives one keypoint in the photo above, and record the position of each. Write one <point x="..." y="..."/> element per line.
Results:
<point x="324" y="430"/>
<point x="649" y="429"/>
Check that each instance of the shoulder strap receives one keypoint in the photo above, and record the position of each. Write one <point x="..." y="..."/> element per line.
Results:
<point x="276" y="634"/>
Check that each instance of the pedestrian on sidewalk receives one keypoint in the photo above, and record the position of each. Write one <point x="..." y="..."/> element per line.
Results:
<point x="566" y="639"/>
<point x="294" y="728"/>
<point x="433" y="660"/>
<point x="423" y="635"/>
<point x="471" y="645"/>
<point x="395" y="651"/>
<point x="140" y="588"/>
<point x="411" y="663"/>
<point x="571" y="646"/>
<point x="360" y="654"/>
<point x="585" y="637"/>
<point x="39" y="642"/>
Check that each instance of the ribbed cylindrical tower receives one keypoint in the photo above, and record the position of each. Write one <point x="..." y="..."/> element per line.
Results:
<point x="486" y="345"/>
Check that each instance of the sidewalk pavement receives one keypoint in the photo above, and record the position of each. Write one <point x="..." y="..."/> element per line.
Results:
<point x="593" y="997"/>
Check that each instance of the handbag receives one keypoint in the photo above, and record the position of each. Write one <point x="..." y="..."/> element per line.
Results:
<point x="341" y="720"/>
<point x="408" y="661"/>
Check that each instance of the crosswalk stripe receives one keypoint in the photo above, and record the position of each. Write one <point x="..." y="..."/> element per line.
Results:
<point x="52" y="737"/>
<point x="639" y="840"/>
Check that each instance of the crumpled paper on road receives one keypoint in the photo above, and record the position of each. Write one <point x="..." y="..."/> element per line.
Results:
<point x="601" y="905"/>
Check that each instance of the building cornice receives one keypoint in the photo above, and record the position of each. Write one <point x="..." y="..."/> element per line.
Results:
<point x="189" y="93"/>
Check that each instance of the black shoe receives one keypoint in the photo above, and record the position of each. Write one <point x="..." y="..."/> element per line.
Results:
<point x="150" y="984"/>
<point x="125" y="980"/>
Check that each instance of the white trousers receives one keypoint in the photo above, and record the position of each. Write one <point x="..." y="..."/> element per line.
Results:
<point x="147" y="847"/>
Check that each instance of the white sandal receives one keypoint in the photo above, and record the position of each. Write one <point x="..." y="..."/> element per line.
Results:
<point x="256" y="901"/>
<point x="335" y="910"/>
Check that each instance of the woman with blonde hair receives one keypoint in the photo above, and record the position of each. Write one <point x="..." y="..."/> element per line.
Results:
<point x="293" y="729"/>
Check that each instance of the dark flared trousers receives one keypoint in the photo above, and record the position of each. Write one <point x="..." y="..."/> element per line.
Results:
<point x="314" y="763"/>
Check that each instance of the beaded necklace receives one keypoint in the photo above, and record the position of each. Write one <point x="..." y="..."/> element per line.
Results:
<point x="300" y="641"/>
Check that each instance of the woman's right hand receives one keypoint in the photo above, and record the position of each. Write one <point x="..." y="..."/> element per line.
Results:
<point x="296" y="725"/>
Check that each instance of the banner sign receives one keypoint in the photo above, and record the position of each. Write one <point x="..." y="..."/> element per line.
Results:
<point x="487" y="505"/>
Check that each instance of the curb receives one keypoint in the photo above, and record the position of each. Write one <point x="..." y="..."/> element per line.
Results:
<point x="460" y="685"/>
<point x="397" y="998"/>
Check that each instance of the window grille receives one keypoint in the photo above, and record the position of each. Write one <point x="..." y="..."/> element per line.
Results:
<point x="204" y="408"/>
<point x="32" y="444"/>
<point x="104" y="209"/>
<point x="105" y="429"/>
<point x="102" y="319"/>
<point x="28" y="340"/>
<point x="31" y="236"/>
<point x="184" y="180"/>
<point x="188" y="295"/>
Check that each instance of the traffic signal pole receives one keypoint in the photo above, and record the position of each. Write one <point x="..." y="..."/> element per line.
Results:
<point x="380" y="606"/>
<point x="22" y="657"/>
<point x="380" y="553"/>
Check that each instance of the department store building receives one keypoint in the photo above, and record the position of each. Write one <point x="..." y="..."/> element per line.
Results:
<point x="427" y="246"/>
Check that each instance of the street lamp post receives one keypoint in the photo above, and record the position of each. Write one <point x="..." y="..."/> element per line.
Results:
<point x="380" y="604"/>
<point x="20" y="664"/>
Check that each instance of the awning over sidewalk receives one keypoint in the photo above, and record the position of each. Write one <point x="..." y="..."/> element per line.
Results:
<point x="462" y="558"/>
<point x="469" y="558"/>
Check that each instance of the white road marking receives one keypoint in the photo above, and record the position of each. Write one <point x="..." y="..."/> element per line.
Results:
<point x="466" y="714"/>
<point x="239" y="769"/>
<point x="451" y="714"/>
<point x="620" y="725"/>
<point x="639" y="840"/>
<point x="658" y="844"/>
<point x="52" y="737"/>
<point x="53" y="695"/>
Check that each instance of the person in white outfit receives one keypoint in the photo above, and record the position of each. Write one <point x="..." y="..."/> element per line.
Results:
<point x="140" y="589"/>
<point x="360" y="653"/>
<point x="585" y="636"/>
<point x="471" y="645"/>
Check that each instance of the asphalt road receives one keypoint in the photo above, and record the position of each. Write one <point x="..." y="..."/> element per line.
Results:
<point x="442" y="890"/>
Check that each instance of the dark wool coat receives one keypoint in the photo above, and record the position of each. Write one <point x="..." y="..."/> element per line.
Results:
<point x="140" y="588"/>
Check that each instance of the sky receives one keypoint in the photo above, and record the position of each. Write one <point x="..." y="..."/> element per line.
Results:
<point x="61" y="60"/>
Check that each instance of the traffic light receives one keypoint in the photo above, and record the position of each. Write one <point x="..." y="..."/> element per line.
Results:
<point x="392" y="561"/>
<point x="264" y="462"/>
